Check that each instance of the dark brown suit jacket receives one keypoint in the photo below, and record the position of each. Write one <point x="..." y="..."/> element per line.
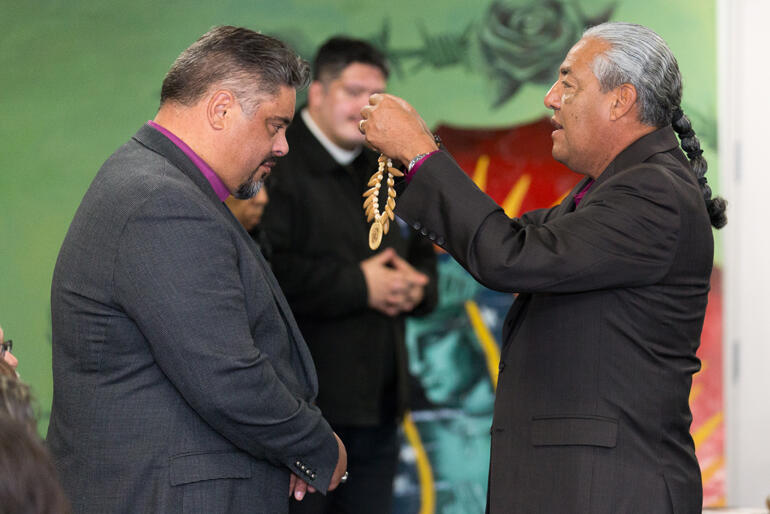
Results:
<point x="592" y="413"/>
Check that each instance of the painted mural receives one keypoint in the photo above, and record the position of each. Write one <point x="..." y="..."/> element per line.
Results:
<point x="79" y="78"/>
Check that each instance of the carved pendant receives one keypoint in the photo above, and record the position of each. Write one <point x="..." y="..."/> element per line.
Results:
<point x="375" y="235"/>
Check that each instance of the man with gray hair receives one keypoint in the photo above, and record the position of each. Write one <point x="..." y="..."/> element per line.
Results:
<point x="591" y="413"/>
<point x="181" y="380"/>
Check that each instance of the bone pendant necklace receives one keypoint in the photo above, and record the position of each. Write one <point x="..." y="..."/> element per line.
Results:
<point x="380" y="221"/>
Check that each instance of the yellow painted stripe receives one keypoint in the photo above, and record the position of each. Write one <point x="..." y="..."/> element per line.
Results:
<point x="561" y="198"/>
<point x="709" y="472"/>
<point x="707" y="428"/>
<point x="424" y="472"/>
<point x="695" y="392"/>
<point x="486" y="339"/>
<point x="480" y="173"/>
<point x="512" y="203"/>
<point x="721" y="502"/>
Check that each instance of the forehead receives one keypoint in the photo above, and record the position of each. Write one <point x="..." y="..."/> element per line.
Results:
<point x="361" y="72"/>
<point x="280" y="105"/>
<point x="580" y="57"/>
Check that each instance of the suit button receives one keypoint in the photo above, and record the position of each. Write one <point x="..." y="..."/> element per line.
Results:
<point x="303" y="467"/>
<point x="424" y="231"/>
<point x="417" y="225"/>
<point x="440" y="241"/>
<point x="312" y="477"/>
<point x="298" y="463"/>
<point x="432" y="236"/>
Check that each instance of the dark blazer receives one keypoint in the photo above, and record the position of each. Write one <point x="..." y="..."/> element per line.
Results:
<point x="319" y="236"/>
<point x="591" y="413"/>
<point x="181" y="381"/>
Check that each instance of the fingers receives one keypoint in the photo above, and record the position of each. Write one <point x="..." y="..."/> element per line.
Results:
<point x="300" y="489"/>
<point x="413" y="276"/>
<point x="342" y="464"/>
<point x="376" y="98"/>
<point x="386" y="255"/>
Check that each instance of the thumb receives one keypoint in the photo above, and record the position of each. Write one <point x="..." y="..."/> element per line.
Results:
<point x="418" y="278"/>
<point x="386" y="255"/>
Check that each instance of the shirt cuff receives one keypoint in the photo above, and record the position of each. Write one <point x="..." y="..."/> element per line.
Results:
<point x="411" y="172"/>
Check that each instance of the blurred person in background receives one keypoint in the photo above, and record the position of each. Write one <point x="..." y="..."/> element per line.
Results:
<point x="5" y="351"/>
<point x="350" y="301"/>
<point x="249" y="213"/>
<point x="28" y="479"/>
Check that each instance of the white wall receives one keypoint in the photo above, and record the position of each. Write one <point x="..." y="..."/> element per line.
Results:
<point x="744" y="152"/>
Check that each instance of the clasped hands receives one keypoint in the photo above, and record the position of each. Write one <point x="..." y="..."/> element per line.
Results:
<point x="393" y="285"/>
<point x="299" y="488"/>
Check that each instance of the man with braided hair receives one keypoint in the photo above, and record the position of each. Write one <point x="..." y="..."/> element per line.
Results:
<point x="591" y="413"/>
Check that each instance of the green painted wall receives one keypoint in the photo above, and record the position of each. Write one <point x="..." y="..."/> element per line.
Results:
<point x="78" y="78"/>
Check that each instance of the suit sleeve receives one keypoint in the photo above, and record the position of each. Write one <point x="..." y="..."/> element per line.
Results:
<point x="177" y="277"/>
<point x="623" y="235"/>
<point x="319" y="288"/>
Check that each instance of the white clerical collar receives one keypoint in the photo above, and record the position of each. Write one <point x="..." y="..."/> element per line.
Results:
<point x="340" y="155"/>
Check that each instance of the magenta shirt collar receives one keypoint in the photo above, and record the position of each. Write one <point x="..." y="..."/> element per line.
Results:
<point x="213" y="178"/>
<point x="582" y="193"/>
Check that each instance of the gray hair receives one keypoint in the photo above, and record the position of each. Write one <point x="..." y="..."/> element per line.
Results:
<point x="250" y="64"/>
<point x="638" y="56"/>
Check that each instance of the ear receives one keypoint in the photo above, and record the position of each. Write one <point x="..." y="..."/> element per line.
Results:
<point x="315" y="93"/>
<point x="623" y="101"/>
<point x="218" y="109"/>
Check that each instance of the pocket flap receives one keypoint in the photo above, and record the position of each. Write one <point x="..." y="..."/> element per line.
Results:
<point x="574" y="430"/>
<point x="195" y="467"/>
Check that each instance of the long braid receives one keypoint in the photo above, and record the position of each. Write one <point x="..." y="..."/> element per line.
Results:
<point x="691" y="145"/>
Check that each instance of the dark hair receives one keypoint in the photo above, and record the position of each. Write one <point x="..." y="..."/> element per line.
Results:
<point x="28" y="479"/>
<point x="248" y="63"/>
<point x="16" y="399"/>
<point x="639" y="56"/>
<point x="339" y="52"/>
<point x="716" y="207"/>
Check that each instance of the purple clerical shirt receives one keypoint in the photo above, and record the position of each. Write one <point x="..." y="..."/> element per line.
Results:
<point x="582" y="193"/>
<point x="213" y="178"/>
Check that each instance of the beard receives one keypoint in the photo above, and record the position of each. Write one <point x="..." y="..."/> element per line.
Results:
<point x="251" y="187"/>
<point x="248" y="189"/>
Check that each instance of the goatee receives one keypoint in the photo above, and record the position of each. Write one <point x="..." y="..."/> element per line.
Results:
<point x="248" y="189"/>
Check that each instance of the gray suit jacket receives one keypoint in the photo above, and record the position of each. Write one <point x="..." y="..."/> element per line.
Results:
<point x="591" y="414"/>
<point x="181" y="381"/>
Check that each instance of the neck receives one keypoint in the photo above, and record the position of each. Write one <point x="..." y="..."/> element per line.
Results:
<point x="318" y="121"/>
<point x="185" y="124"/>
<point x="621" y="139"/>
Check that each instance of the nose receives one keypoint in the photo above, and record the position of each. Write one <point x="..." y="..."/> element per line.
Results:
<point x="552" y="98"/>
<point x="280" y="145"/>
<point x="11" y="360"/>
